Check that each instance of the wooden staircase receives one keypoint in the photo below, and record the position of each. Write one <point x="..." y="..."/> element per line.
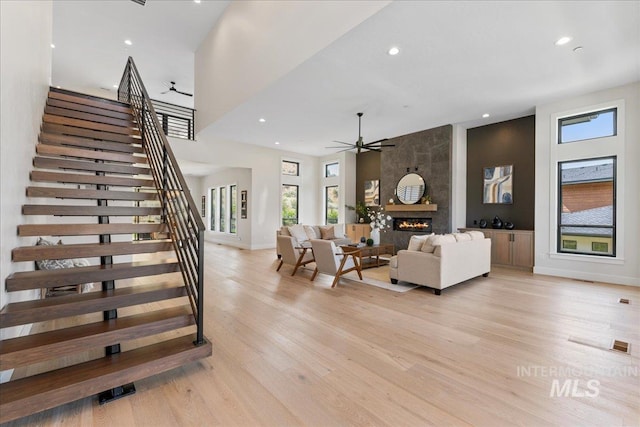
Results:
<point x="90" y="173"/>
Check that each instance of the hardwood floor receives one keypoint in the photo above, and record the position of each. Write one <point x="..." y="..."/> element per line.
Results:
<point x="488" y="352"/>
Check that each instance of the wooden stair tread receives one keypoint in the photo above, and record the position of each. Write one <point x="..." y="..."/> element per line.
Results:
<point x="61" y="150"/>
<point x="73" y="193"/>
<point x="40" y="347"/>
<point x="21" y="313"/>
<point x="88" y="250"/>
<point x="88" y="229"/>
<point x="69" y="210"/>
<point x="82" y="115"/>
<point x="72" y="178"/>
<point x="80" y="165"/>
<point x="77" y="141"/>
<point x="89" y="109"/>
<point x="50" y="389"/>
<point x="78" y="98"/>
<point x="86" y="124"/>
<point x="89" y="133"/>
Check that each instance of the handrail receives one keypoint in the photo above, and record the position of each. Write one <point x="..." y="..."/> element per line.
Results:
<point x="179" y="211"/>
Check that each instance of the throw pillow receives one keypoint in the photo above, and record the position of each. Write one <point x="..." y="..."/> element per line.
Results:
<point x="297" y="231"/>
<point x="475" y="235"/>
<point x="311" y="232"/>
<point x="416" y="242"/>
<point x="327" y="233"/>
<point x="51" y="264"/>
<point x="436" y="240"/>
<point x="461" y="237"/>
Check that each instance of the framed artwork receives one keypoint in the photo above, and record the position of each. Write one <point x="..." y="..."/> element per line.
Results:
<point x="372" y="193"/>
<point x="204" y="206"/>
<point x="498" y="185"/>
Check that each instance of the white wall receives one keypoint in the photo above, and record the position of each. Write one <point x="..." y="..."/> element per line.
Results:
<point x="241" y="177"/>
<point x="265" y="166"/>
<point x="624" y="268"/>
<point x="25" y="61"/>
<point x="251" y="47"/>
<point x="25" y="73"/>
<point x="459" y="178"/>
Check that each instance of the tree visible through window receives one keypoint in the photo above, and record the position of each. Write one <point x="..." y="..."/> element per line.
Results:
<point x="587" y="206"/>
<point x="331" y="204"/>
<point x="289" y="204"/>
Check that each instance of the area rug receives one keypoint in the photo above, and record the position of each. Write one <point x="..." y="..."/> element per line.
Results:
<point x="379" y="277"/>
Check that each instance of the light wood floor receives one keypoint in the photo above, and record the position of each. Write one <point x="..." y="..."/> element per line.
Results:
<point x="289" y="352"/>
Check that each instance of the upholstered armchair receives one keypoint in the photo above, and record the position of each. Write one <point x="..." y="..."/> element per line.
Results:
<point x="333" y="260"/>
<point x="292" y="255"/>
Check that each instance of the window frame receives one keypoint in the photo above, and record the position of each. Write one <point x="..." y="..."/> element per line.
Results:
<point x="297" y="207"/>
<point x="293" y="163"/>
<point x="326" y="169"/>
<point x="559" y="121"/>
<point x="223" y="204"/>
<point x="559" y="225"/>
<point x="326" y="204"/>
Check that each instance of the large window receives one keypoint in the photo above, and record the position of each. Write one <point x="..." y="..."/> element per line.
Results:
<point x="224" y="209"/>
<point x="596" y="124"/>
<point x="587" y="206"/>
<point x="331" y="204"/>
<point x="213" y="210"/>
<point x="289" y="204"/>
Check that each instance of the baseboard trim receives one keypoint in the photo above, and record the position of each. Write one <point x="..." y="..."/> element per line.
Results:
<point x="583" y="275"/>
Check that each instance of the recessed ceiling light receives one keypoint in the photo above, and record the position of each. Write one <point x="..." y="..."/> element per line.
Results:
<point x="277" y="143"/>
<point x="485" y="115"/>
<point x="196" y="1"/>
<point x="128" y="42"/>
<point x="262" y="120"/>
<point x="115" y="86"/>
<point x="393" y="51"/>
<point x="577" y="48"/>
<point x="53" y="46"/>
<point x="58" y="87"/>
<point x="563" y="40"/>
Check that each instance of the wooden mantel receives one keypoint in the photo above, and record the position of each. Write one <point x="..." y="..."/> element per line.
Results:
<point x="421" y="207"/>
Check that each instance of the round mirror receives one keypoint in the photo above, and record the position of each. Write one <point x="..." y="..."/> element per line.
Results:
<point x="410" y="189"/>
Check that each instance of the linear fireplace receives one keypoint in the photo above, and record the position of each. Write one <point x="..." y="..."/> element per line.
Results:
<point x="412" y="224"/>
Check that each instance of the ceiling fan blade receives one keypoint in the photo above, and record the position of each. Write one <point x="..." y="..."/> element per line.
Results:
<point x="339" y="146"/>
<point x="166" y="91"/>
<point x="184" y="93"/>
<point x="345" y="143"/>
<point x="372" y="149"/>
<point x="376" y="142"/>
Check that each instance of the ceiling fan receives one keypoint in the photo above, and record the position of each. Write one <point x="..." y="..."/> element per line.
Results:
<point x="173" y="89"/>
<point x="360" y="145"/>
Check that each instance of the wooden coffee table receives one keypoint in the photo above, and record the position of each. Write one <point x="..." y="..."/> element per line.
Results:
<point x="370" y="255"/>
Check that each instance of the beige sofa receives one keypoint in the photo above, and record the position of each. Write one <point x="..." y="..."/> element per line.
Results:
<point x="304" y="233"/>
<point x="442" y="261"/>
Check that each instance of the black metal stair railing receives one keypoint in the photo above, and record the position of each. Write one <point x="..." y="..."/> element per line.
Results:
<point x="179" y="210"/>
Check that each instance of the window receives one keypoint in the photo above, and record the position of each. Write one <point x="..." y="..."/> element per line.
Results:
<point x="331" y="204"/>
<point x="233" y="211"/>
<point x="289" y="204"/>
<point x="596" y="124"/>
<point x="587" y="208"/>
<point x="213" y="210"/>
<point x="331" y="170"/>
<point x="223" y="209"/>
<point x="290" y="168"/>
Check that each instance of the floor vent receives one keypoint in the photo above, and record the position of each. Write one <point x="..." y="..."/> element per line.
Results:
<point x="620" y="346"/>
<point x="624" y="301"/>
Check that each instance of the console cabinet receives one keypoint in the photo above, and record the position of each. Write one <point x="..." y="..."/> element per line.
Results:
<point x="356" y="231"/>
<point x="510" y="248"/>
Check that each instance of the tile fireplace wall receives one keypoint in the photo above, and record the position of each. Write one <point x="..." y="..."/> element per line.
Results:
<point x="430" y="152"/>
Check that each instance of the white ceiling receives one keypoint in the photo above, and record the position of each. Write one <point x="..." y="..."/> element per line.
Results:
<point x="458" y="60"/>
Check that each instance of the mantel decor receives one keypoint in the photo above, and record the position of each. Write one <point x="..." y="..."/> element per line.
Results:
<point x="432" y="207"/>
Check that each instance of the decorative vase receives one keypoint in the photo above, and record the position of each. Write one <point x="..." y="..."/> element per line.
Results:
<point x="361" y="220"/>
<point x="509" y="225"/>
<point x="483" y="223"/>
<point x="369" y="242"/>
<point x="375" y="235"/>
<point x="363" y="239"/>
<point x="497" y="222"/>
